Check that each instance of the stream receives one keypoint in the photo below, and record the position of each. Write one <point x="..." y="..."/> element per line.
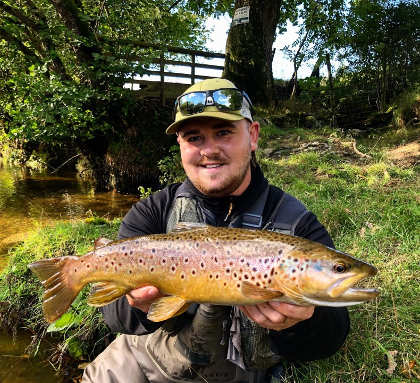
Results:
<point x="28" y="200"/>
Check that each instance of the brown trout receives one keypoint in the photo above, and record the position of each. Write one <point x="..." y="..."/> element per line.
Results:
<point x="205" y="264"/>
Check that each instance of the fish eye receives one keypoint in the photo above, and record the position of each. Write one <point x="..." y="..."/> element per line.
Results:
<point x="340" y="268"/>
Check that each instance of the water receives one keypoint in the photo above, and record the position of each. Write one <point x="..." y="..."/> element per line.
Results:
<point x="27" y="201"/>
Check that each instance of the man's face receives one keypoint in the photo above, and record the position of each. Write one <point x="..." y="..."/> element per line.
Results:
<point x="216" y="154"/>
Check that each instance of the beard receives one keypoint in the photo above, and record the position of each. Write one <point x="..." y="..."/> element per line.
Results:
<point x="229" y="182"/>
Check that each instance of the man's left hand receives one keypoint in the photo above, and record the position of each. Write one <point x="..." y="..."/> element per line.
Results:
<point x="277" y="315"/>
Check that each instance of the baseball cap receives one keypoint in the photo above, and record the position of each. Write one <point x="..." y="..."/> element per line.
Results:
<point x="215" y="98"/>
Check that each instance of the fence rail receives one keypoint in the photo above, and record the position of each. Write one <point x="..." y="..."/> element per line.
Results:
<point x="162" y="61"/>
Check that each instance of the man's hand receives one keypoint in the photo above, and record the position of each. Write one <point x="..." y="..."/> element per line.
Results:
<point x="277" y="315"/>
<point x="143" y="297"/>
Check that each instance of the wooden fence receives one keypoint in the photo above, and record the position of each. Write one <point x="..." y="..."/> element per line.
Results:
<point x="159" y="87"/>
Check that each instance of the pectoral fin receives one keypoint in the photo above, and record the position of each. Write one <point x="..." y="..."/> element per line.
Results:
<point x="104" y="293"/>
<point x="167" y="307"/>
<point x="252" y="291"/>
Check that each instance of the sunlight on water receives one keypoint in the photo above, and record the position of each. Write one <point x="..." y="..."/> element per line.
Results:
<point x="27" y="202"/>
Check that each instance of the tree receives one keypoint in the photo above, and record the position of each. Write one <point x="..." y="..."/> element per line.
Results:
<point x="383" y="45"/>
<point x="249" y="47"/>
<point x="64" y="63"/>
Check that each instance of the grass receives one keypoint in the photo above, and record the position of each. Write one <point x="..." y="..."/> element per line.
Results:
<point x="370" y="206"/>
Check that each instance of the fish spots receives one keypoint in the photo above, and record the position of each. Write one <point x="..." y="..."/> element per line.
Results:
<point x="173" y="268"/>
<point x="163" y="261"/>
<point x="202" y="265"/>
<point x="75" y="270"/>
<point x="193" y="272"/>
<point x="215" y="259"/>
<point x="182" y="276"/>
<point x="186" y="260"/>
<point x="151" y="269"/>
<point x="280" y="252"/>
<point x="227" y="270"/>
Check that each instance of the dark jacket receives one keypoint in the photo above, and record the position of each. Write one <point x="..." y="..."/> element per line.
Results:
<point x="315" y="338"/>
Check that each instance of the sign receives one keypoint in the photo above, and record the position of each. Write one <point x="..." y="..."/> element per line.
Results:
<point x="241" y="16"/>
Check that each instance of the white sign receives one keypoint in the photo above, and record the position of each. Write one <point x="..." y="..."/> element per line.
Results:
<point x="241" y="16"/>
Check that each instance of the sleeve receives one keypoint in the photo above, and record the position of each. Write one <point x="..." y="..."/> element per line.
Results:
<point x="145" y="217"/>
<point x="325" y="332"/>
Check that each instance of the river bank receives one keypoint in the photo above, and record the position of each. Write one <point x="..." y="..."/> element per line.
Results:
<point x="32" y="201"/>
<point x="367" y="199"/>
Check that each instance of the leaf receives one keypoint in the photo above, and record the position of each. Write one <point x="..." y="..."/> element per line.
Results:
<point x="66" y="321"/>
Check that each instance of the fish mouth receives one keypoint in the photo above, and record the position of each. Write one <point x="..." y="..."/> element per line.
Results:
<point x="342" y="293"/>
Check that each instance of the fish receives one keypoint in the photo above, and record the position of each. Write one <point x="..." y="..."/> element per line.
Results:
<point x="198" y="263"/>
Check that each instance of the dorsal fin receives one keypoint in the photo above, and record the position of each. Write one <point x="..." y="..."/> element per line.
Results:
<point x="185" y="226"/>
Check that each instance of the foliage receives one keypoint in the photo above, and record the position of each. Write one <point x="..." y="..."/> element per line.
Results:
<point x="64" y="63"/>
<point x="171" y="168"/>
<point x="81" y="331"/>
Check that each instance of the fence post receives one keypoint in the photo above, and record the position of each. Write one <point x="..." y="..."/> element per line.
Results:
<point x="193" y="68"/>
<point x="162" y="77"/>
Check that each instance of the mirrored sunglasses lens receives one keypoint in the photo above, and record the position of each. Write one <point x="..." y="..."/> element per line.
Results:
<point x="192" y="103"/>
<point x="228" y="99"/>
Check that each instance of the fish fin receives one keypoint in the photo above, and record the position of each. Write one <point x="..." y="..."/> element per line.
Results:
<point x="252" y="291"/>
<point x="59" y="291"/>
<point x="167" y="307"/>
<point x="185" y="226"/>
<point x="104" y="293"/>
<point x="101" y="242"/>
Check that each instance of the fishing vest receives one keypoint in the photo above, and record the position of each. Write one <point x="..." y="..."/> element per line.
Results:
<point x="257" y="353"/>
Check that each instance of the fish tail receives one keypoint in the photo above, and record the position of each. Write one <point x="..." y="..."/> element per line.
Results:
<point x="60" y="291"/>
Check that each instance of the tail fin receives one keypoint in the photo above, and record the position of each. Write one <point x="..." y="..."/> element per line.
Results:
<point x="59" y="291"/>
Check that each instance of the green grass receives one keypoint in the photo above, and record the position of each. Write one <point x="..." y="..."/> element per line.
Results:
<point x="81" y="332"/>
<point x="371" y="208"/>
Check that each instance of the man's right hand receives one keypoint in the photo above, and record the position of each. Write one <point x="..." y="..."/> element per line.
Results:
<point x="143" y="297"/>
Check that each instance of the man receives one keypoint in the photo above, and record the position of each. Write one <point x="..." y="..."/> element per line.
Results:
<point x="224" y="187"/>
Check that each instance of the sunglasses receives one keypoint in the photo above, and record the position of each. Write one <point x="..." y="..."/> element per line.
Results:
<point x="225" y="100"/>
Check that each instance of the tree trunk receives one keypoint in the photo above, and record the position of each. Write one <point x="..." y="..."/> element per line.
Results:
<point x="315" y="71"/>
<point x="249" y="54"/>
<point x="331" y="89"/>
<point x="297" y="61"/>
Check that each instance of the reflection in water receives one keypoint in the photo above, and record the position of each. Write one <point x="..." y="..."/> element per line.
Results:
<point x="27" y="202"/>
<point x="16" y="367"/>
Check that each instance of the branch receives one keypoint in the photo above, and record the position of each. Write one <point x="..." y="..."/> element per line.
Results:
<point x="10" y="38"/>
